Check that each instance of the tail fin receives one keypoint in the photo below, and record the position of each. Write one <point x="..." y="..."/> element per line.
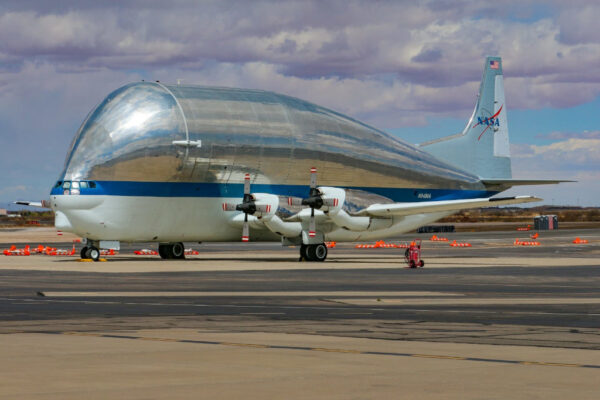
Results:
<point x="482" y="148"/>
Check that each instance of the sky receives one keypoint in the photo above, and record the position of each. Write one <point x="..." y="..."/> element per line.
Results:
<point x="411" y="68"/>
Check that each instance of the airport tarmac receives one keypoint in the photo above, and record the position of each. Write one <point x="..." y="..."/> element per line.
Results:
<point x="491" y="321"/>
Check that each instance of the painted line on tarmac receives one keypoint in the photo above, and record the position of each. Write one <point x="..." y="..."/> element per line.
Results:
<point x="329" y="350"/>
<point x="468" y="301"/>
<point x="199" y="305"/>
<point x="254" y="294"/>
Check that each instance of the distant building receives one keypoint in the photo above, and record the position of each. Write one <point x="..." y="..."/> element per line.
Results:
<point x="3" y="211"/>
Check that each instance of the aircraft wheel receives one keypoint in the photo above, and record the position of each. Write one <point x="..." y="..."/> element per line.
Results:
<point x="177" y="250"/>
<point x="304" y="253"/>
<point x="92" y="253"/>
<point x="320" y="252"/>
<point x="317" y="252"/>
<point x="163" y="251"/>
<point x="83" y="253"/>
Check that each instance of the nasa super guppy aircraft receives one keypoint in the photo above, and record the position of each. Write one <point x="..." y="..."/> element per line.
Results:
<point x="178" y="163"/>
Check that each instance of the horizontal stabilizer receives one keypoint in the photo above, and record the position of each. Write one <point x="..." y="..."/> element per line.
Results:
<point x="400" y="209"/>
<point x="521" y="182"/>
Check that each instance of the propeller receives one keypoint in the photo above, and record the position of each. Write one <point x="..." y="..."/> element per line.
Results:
<point x="248" y="206"/>
<point x="314" y="200"/>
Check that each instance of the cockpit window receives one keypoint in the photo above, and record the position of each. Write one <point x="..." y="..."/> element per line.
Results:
<point x="72" y="187"/>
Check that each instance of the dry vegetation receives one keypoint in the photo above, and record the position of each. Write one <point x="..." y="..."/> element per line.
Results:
<point x="525" y="215"/>
<point x="28" y="218"/>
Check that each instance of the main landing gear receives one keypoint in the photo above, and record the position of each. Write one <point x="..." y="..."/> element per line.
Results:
<point x="313" y="252"/>
<point x="173" y="251"/>
<point x="90" y="253"/>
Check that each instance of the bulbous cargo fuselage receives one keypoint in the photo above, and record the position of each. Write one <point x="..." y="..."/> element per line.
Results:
<point x="182" y="148"/>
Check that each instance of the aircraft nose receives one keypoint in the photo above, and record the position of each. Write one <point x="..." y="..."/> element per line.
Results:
<point x="70" y="202"/>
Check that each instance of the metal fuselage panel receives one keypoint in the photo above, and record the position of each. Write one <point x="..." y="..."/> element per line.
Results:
<point x="126" y="147"/>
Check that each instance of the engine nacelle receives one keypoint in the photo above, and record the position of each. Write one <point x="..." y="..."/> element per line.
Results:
<point x="335" y="198"/>
<point x="266" y="204"/>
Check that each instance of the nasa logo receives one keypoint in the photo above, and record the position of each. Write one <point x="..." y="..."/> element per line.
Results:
<point x="491" y="121"/>
<point x="488" y="121"/>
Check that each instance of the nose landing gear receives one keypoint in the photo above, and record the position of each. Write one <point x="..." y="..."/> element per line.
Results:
<point x="90" y="253"/>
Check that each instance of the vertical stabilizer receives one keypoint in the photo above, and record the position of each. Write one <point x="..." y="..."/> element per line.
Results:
<point x="483" y="147"/>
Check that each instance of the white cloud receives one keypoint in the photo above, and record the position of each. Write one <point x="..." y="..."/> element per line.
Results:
<point x="390" y="64"/>
<point x="579" y="24"/>
<point x="571" y="159"/>
<point x="562" y="157"/>
<point x="558" y="135"/>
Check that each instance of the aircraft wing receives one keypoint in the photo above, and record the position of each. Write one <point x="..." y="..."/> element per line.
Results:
<point x="521" y="182"/>
<point x="400" y="209"/>
<point x="41" y="204"/>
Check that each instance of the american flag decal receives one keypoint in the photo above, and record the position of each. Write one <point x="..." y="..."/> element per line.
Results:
<point x="494" y="64"/>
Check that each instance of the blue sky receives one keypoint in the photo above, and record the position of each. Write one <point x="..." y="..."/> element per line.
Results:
<point x="410" y="68"/>
<point x="526" y="126"/>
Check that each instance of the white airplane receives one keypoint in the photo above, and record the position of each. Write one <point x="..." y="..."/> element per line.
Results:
<point x="174" y="163"/>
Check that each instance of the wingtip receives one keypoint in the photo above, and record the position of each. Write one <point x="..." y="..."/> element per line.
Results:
<point x="528" y="199"/>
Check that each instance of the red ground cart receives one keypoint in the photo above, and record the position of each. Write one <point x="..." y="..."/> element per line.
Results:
<point x="412" y="255"/>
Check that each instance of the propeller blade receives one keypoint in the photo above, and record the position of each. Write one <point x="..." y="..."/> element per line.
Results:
<point x="247" y="184"/>
<point x="312" y="229"/>
<point x="313" y="178"/>
<point x="331" y="202"/>
<point x="294" y="201"/>
<point x="263" y="208"/>
<point x="245" y="230"/>
<point x="245" y="233"/>
<point x="229" y="207"/>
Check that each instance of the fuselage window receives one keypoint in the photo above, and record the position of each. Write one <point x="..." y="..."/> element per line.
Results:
<point x="74" y="187"/>
<point x="66" y="187"/>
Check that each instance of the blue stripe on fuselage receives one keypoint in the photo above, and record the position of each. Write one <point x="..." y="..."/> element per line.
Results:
<point x="191" y="189"/>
